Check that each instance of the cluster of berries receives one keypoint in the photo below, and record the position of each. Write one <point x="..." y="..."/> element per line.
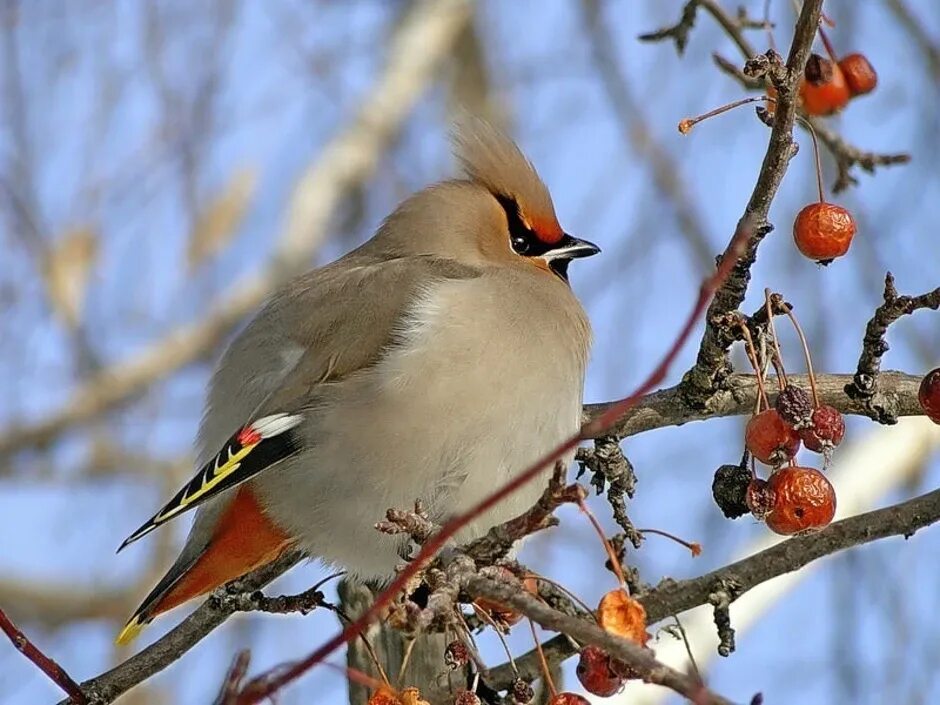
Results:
<point x="794" y="498"/>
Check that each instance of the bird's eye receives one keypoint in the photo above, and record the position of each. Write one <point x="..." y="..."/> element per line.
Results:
<point x="520" y="244"/>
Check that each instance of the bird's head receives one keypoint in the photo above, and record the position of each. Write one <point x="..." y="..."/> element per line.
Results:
<point x="501" y="213"/>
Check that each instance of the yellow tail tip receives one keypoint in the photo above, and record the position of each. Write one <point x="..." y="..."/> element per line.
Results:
<point x="130" y="632"/>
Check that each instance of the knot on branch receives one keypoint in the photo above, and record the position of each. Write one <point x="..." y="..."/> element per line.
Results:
<point x="726" y="592"/>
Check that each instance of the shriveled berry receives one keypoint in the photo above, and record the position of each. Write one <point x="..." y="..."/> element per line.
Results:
<point x="795" y="406"/>
<point x="384" y="696"/>
<point x="804" y="500"/>
<point x="827" y="430"/>
<point x="624" y="616"/>
<point x="760" y="498"/>
<point x="859" y="74"/>
<point x="468" y="697"/>
<point x="818" y="70"/>
<point x="929" y="395"/>
<point x="729" y="488"/>
<point x="826" y="96"/>
<point x="595" y="672"/>
<point x="521" y="692"/>
<point x="770" y="439"/>
<point x="568" y="699"/>
<point x="456" y="655"/>
<point x="823" y="231"/>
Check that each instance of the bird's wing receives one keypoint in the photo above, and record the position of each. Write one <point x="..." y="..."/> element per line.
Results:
<point x="332" y="322"/>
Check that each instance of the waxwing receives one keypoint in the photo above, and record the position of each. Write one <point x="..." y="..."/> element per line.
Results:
<point x="432" y="363"/>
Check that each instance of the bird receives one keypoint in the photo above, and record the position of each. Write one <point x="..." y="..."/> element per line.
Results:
<point x="432" y="363"/>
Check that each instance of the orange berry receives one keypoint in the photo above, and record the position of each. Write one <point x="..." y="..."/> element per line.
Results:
<point x="826" y="93"/>
<point x="770" y="439"/>
<point x="384" y="696"/>
<point x="624" y="616"/>
<point x="595" y="672"/>
<point x="929" y="395"/>
<point x="804" y="500"/>
<point x="826" y="431"/>
<point x="823" y="231"/>
<point x="860" y="77"/>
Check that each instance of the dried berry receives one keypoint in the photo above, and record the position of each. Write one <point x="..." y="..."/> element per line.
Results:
<point x="770" y="439"/>
<point x="804" y="500"/>
<point x="818" y="70"/>
<point x="624" y="616"/>
<point x="521" y="692"/>
<point x="795" y="406"/>
<point x="827" y="95"/>
<point x="826" y="431"/>
<point x="929" y="395"/>
<point x="568" y="699"/>
<point x="467" y="697"/>
<point x="595" y="672"/>
<point x="823" y="231"/>
<point x="729" y="488"/>
<point x="760" y="498"/>
<point x="456" y="655"/>
<point x="860" y="76"/>
<point x="384" y="696"/>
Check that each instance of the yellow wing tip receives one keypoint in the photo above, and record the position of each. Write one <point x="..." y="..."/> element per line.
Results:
<point x="130" y="632"/>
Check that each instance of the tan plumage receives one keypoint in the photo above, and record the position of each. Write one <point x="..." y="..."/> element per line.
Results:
<point x="433" y="363"/>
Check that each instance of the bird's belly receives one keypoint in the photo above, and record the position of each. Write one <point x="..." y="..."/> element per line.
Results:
<point x="447" y="424"/>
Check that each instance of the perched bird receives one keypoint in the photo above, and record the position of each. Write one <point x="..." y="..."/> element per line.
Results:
<point x="434" y="362"/>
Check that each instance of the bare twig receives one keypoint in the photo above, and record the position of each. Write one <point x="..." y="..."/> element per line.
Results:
<point x="712" y="367"/>
<point x="879" y="403"/>
<point x="54" y="671"/>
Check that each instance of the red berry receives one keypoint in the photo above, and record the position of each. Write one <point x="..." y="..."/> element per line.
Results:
<point x="468" y="697"/>
<point x="568" y="699"/>
<point x="803" y="500"/>
<point x="859" y="74"/>
<point x="827" y="430"/>
<point x="456" y="655"/>
<point x="929" y="395"/>
<point x="823" y="231"/>
<point x="770" y="439"/>
<point x="759" y="498"/>
<point x="596" y="674"/>
<point x="826" y="92"/>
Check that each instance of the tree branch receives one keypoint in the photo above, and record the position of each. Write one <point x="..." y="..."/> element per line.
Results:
<point x="672" y="597"/>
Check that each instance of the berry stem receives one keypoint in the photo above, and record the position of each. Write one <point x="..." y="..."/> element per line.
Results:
<point x="686" y="125"/>
<point x="752" y="357"/>
<point x="499" y="633"/>
<point x="829" y="48"/>
<point x="614" y="560"/>
<point x="806" y="355"/>
<point x="778" y="355"/>
<point x="543" y="664"/>
<point x="694" y="547"/>
<point x="819" y="177"/>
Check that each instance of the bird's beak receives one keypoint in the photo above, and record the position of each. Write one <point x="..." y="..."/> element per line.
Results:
<point x="570" y="248"/>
